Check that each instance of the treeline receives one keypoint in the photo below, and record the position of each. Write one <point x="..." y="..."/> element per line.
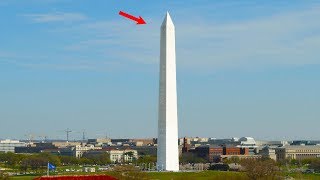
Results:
<point x="40" y="160"/>
<point x="312" y="163"/>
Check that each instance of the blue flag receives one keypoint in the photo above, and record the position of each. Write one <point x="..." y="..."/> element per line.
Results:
<point x="51" y="166"/>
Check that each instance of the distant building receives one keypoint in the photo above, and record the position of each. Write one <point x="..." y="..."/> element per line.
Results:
<point x="186" y="145"/>
<point x="145" y="150"/>
<point x="120" y="141"/>
<point x="272" y="143"/>
<point x="248" y="142"/>
<point x="297" y="152"/>
<point x="35" y="148"/>
<point x="268" y="152"/>
<point x="143" y="142"/>
<point x="68" y="151"/>
<point x="227" y="150"/>
<point x="215" y="153"/>
<point x="80" y="149"/>
<point x="304" y="142"/>
<point x="99" y="141"/>
<point x="44" y="145"/>
<point x="209" y="153"/>
<point x="133" y="142"/>
<point x="123" y="155"/>
<point x="10" y="145"/>
<point x="220" y="142"/>
<point x="141" y="150"/>
<point x="63" y="144"/>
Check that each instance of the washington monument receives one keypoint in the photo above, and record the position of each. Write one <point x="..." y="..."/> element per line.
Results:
<point x="167" y="153"/>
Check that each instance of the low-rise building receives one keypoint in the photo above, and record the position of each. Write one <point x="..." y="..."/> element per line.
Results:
<point x="209" y="153"/>
<point x="271" y="143"/>
<point x="80" y="149"/>
<point x="143" y="142"/>
<point x="214" y="153"/>
<point x="68" y="151"/>
<point x="63" y="144"/>
<point x="248" y="142"/>
<point x="297" y="152"/>
<point x="268" y="152"/>
<point x="99" y="141"/>
<point x="127" y="155"/>
<point x="10" y="145"/>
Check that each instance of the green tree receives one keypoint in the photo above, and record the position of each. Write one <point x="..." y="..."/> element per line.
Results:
<point x="35" y="162"/>
<point x="3" y="176"/>
<point x="38" y="161"/>
<point x="105" y="158"/>
<point x="100" y="159"/>
<point x="259" y="169"/>
<point x="69" y="160"/>
<point x="53" y="159"/>
<point x="191" y="158"/>
<point x="308" y="161"/>
<point x="235" y="159"/>
<point x="147" y="159"/>
<point x="10" y="159"/>
<point x="85" y="161"/>
<point x="24" y="166"/>
<point x="315" y="164"/>
<point x="129" y="154"/>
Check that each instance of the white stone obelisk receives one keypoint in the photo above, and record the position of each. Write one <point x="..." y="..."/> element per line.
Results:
<point x="168" y="153"/>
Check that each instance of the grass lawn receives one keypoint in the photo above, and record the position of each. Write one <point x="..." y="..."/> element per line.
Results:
<point x="171" y="175"/>
<point x="186" y="175"/>
<point x="304" y="176"/>
<point x="197" y="175"/>
<point x="23" y="177"/>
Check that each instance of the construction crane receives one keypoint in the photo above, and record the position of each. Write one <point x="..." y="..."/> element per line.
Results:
<point x="30" y="138"/>
<point x="83" y="136"/>
<point x="67" y="131"/>
<point x="43" y="138"/>
<point x="83" y="133"/>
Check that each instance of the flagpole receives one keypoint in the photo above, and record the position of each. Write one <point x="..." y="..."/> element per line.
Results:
<point x="48" y="169"/>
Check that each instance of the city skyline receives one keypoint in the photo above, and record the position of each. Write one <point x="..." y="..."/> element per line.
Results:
<point x="244" y="68"/>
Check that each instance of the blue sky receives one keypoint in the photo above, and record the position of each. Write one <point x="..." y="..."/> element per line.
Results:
<point x="245" y="68"/>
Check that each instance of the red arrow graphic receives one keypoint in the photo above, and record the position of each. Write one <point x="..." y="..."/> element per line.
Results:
<point x="139" y="20"/>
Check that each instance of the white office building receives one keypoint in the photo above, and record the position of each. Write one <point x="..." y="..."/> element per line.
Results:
<point x="127" y="155"/>
<point x="9" y="145"/>
<point x="80" y="149"/>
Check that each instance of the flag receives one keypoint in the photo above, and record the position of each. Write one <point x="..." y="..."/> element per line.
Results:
<point x="51" y="166"/>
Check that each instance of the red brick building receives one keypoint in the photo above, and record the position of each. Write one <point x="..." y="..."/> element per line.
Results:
<point x="186" y="145"/>
<point x="235" y="151"/>
<point x="214" y="153"/>
<point x="210" y="153"/>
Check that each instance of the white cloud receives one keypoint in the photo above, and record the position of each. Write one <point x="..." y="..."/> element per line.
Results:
<point x="289" y="38"/>
<point x="286" y="39"/>
<point x="4" y="54"/>
<point x="56" y="17"/>
<point x="9" y="55"/>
